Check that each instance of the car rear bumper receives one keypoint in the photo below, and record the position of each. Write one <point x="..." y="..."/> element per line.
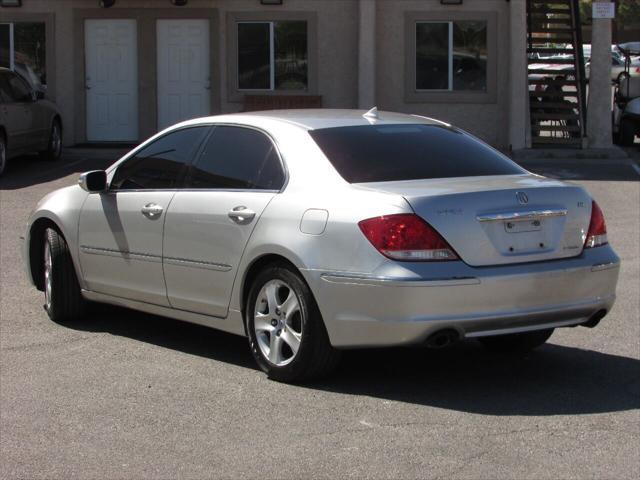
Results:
<point x="389" y="309"/>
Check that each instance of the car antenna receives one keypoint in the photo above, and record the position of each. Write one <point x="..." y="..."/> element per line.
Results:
<point x="373" y="114"/>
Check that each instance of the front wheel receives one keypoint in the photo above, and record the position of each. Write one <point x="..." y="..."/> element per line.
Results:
<point x="63" y="300"/>
<point x="516" y="342"/>
<point x="287" y="336"/>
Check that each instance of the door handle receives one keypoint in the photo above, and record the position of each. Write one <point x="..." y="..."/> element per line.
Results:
<point x="152" y="210"/>
<point x="242" y="214"/>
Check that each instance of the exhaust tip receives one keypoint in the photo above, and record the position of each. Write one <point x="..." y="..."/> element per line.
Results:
<point x="595" y="319"/>
<point x="442" y="338"/>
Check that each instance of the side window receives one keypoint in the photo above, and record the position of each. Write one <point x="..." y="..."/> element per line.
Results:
<point x="21" y="91"/>
<point x="161" y="164"/>
<point x="237" y="158"/>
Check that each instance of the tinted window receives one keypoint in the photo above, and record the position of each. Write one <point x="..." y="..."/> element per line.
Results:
<point x="237" y="158"/>
<point x="380" y="153"/>
<point x="161" y="164"/>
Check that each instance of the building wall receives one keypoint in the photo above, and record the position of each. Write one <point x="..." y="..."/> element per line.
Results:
<point x="337" y="57"/>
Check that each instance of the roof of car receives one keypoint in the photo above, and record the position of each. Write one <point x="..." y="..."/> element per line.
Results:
<point x="314" y="119"/>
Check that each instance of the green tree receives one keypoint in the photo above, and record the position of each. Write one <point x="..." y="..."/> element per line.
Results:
<point x="627" y="11"/>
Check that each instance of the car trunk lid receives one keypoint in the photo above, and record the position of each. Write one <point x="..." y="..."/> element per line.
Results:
<point x="497" y="220"/>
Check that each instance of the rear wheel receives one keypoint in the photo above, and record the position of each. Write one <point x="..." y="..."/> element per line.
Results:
<point x="63" y="300"/>
<point x="54" y="146"/>
<point x="516" y="342"/>
<point x="627" y="132"/>
<point x="3" y="153"/>
<point x="287" y="336"/>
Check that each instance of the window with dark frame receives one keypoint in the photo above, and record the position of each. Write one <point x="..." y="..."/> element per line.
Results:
<point x="273" y="55"/>
<point x="451" y="56"/>
<point x="23" y="49"/>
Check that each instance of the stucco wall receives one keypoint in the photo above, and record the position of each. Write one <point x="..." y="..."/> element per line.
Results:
<point x="337" y="78"/>
<point x="337" y="46"/>
<point x="486" y="120"/>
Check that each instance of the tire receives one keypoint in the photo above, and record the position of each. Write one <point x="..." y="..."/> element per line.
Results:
<point x="54" y="145"/>
<point x="3" y="154"/>
<point x="516" y="342"/>
<point x="289" y="342"/>
<point x="63" y="300"/>
<point x="627" y="132"/>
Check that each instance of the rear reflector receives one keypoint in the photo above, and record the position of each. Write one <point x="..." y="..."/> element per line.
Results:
<point x="406" y="237"/>
<point x="597" y="234"/>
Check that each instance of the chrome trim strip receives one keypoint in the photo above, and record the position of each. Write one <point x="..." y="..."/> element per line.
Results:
<point x="184" y="262"/>
<point x="397" y="282"/>
<point x="110" y="252"/>
<point x="528" y="215"/>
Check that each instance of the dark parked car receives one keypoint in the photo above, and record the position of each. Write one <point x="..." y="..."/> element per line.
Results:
<point x="28" y="122"/>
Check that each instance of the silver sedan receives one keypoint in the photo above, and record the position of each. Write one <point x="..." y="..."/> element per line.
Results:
<point x="315" y="231"/>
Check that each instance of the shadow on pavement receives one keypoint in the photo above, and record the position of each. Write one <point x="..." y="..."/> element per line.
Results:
<point x="29" y="170"/>
<point x="553" y="380"/>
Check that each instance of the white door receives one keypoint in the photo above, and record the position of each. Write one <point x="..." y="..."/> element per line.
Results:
<point x="184" y="81"/>
<point x="111" y="63"/>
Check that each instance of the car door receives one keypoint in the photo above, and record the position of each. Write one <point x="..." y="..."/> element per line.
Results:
<point x="210" y="220"/>
<point x="120" y="231"/>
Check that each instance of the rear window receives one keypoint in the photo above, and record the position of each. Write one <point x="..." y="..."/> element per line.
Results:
<point x="383" y="153"/>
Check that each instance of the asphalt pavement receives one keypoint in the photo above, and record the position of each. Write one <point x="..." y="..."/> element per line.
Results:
<point x="128" y="395"/>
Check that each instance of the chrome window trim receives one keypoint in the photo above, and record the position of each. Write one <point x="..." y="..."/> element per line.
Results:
<point x="111" y="170"/>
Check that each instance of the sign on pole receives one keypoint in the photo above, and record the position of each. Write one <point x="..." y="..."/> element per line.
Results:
<point x="604" y="10"/>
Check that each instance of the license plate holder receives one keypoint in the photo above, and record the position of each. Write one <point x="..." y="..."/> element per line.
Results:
<point x="521" y="226"/>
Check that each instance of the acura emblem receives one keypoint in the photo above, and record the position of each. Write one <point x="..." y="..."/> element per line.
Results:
<point x="522" y="198"/>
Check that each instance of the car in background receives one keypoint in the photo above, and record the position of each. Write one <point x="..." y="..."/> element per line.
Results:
<point x="28" y="122"/>
<point x="617" y="66"/>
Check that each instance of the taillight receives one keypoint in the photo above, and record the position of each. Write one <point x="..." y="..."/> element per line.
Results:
<point x="406" y="237"/>
<point x="597" y="234"/>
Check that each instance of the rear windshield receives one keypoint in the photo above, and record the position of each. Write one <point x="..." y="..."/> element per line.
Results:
<point x="382" y="153"/>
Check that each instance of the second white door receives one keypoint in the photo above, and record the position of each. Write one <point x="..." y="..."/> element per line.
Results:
<point x="111" y="80"/>
<point x="184" y="81"/>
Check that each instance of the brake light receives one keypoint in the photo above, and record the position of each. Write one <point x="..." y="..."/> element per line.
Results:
<point x="597" y="234"/>
<point x="406" y="237"/>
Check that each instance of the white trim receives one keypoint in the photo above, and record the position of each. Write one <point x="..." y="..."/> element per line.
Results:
<point x="272" y="57"/>
<point x="450" y="56"/>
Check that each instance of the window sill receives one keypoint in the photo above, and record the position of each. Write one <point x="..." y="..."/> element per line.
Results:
<point x="444" y="96"/>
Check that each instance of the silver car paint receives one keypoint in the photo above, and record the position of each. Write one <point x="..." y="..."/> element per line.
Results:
<point x="365" y="298"/>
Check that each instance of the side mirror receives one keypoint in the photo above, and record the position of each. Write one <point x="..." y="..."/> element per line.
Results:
<point x="94" y="181"/>
<point x="39" y="95"/>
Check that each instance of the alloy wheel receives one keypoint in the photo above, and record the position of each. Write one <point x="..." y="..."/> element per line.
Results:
<point x="278" y="322"/>
<point x="47" y="275"/>
<point x="56" y="141"/>
<point x="3" y="155"/>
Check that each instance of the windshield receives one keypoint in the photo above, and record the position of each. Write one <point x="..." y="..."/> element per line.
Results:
<point x="381" y="153"/>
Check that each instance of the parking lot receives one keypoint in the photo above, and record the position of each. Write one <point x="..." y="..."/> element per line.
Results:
<point x="128" y="395"/>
